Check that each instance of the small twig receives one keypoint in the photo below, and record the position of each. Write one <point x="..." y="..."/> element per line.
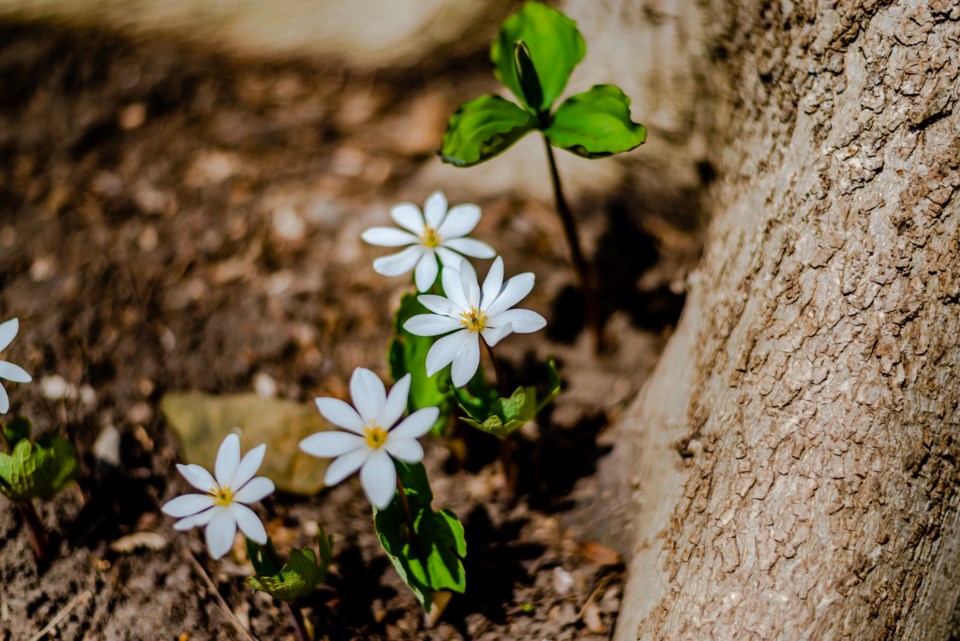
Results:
<point x="62" y="614"/>
<point x="35" y="531"/>
<point x="212" y="588"/>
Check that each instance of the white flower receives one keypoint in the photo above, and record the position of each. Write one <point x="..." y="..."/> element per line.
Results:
<point x="221" y="508"/>
<point x="9" y="371"/>
<point x="435" y="233"/>
<point x="371" y="442"/>
<point x="473" y="312"/>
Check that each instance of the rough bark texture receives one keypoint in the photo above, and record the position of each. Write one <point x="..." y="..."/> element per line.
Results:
<point x="796" y="452"/>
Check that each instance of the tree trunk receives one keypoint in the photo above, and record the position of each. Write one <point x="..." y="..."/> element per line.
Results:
<point x="796" y="454"/>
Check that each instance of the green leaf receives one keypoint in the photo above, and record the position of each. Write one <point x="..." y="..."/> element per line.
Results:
<point x="504" y="416"/>
<point x="297" y="578"/>
<point x="555" y="46"/>
<point x="429" y="560"/>
<point x="408" y="354"/>
<point x="481" y="129"/>
<point x="596" y="123"/>
<point x="37" y="470"/>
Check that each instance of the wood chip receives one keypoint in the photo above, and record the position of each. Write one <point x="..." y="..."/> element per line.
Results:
<point x="131" y="542"/>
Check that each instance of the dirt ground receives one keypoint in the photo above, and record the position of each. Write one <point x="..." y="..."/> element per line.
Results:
<point x="173" y="219"/>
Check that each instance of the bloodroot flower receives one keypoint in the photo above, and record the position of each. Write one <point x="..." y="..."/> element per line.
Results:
<point x="435" y="233"/>
<point x="9" y="371"/>
<point x="470" y="313"/>
<point x="221" y="508"/>
<point x="371" y="438"/>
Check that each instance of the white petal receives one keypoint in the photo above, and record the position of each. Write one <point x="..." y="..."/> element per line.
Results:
<point x="220" y="533"/>
<point x="493" y="282"/>
<point x="197" y="477"/>
<point x="396" y="403"/>
<point x="513" y="292"/>
<point x="445" y="350"/>
<point x="4" y="401"/>
<point x="439" y="305"/>
<point x="523" y="321"/>
<point x="345" y="465"/>
<point x="248" y="467"/>
<point x="389" y="237"/>
<point x="427" y="268"/>
<point x="330" y="444"/>
<point x="448" y="257"/>
<point x="431" y="324"/>
<point x="187" y="505"/>
<point x="435" y="209"/>
<point x="196" y="520"/>
<point x="460" y="221"/>
<point x="407" y="450"/>
<point x="340" y="414"/>
<point x="493" y="335"/>
<point x="467" y="361"/>
<point x="399" y="263"/>
<point x="255" y="490"/>
<point x="452" y="287"/>
<point x="249" y="523"/>
<point x="379" y="478"/>
<point x="408" y="216"/>
<point x="228" y="458"/>
<point x="468" y="281"/>
<point x="415" y="425"/>
<point x="471" y="247"/>
<point x="8" y="331"/>
<point x="368" y="394"/>
<point x="14" y="373"/>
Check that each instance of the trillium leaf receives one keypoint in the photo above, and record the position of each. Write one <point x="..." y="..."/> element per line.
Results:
<point x="431" y="558"/>
<point x="297" y="578"/>
<point x="408" y="354"/>
<point x="596" y="123"/>
<point x="555" y="47"/>
<point x="482" y="128"/>
<point x="37" y="470"/>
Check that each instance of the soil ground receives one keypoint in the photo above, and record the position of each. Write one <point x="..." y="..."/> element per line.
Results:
<point x="175" y="219"/>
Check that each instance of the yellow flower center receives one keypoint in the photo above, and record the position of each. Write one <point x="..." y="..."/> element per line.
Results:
<point x="430" y="237"/>
<point x="222" y="495"/>
<point x="474" y="320"/>
<point x="375" y="436"/>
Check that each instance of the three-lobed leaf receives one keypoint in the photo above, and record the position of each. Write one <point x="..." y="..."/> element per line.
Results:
<point x="430" y="559"/>
<point x="408" y="354"/>
<point x="37" y="470"/>
<point x="596" y="123"/>
<point x="482" y="128"/>
<point x="555" y="47"/>
<point x="503" y="416"/>
<point x="298" y="577"/>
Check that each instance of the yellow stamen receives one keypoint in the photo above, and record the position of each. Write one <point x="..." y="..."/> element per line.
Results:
<point x="474" y="320"/>
<point x="430" y="237"/>
<point x="375" y="436"/>
<point x="222" y="495"/>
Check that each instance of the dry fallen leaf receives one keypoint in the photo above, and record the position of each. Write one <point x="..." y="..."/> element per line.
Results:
<point x="598" y="553"/>
<point x="129" y="543"/>
<point x="591" y="618"/>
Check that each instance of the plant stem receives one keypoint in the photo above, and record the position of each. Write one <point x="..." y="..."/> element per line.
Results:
<point x="580" y="264"/>
<point x="37" y="533"/>
<point x="414" y="539"/>
<point x="294" y="612"/>
<point x="497" y="369"/>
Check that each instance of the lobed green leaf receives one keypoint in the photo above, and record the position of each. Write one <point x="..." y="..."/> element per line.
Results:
<point x="555" y="47"/>
<point x="596" y="123"/>
<point x="37" y="470"/>
<point x="431" y="558"/>
<point x="481" y="129"/>
<point x="298" y="577"/>
<point x="503" y="416"/>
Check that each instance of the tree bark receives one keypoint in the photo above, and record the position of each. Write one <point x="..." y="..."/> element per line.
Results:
<point x="796" y="453"/>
